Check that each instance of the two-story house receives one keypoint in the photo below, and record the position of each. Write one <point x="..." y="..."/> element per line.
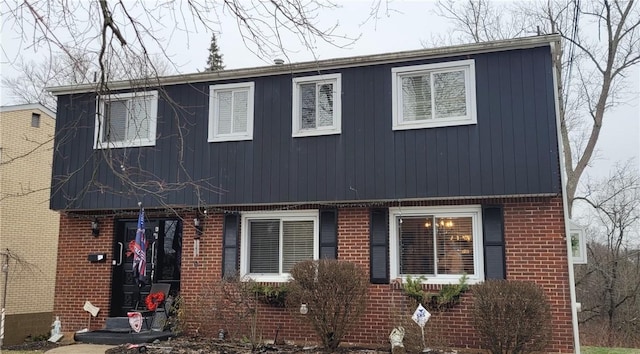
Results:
<point x="28" y="228"/>
<point x="436" y="162"/>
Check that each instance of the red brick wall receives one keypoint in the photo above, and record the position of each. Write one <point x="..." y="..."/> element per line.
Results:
<point x="536" y="251"/>
<point x="78" y="280"/>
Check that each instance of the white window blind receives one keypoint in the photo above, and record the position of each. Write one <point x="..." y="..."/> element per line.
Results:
<point x="297" y="243"/>
<point x="265" y="246"/>
<point x="231" y="112"/>
<point x="434" y="95"/>
<point x="127" y="119"/>
<point x="316" y="105"/>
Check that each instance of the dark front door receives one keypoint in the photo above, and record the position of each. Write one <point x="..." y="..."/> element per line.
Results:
<point x="164" y="253"/>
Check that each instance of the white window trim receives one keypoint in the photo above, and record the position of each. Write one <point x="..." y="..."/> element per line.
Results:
<point x="336" y="128"/>
<point x="281" y="215"/>
<point x="579" y="232"/>
<point x="214" y="136"/>
<point x="470" y="84"/>
<point x="99" y="121"/>
<point x="474" y="211"/>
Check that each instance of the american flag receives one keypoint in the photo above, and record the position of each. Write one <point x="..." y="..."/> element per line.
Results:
<point x="140" y="251"/>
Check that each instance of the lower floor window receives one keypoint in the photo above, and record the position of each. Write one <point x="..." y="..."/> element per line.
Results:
<point x="439" y="243"/>
<point x="272" y="243"/>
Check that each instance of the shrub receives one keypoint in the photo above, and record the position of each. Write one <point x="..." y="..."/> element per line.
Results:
<point x="335" y="293"/>
<point x="512" y="316"/>
<point x="230" y="305"/>
<point x="274" y="295"/>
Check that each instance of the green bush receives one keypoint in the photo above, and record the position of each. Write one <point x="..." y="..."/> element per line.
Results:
<point x="274" y="295"/>
<point x="512" y="316"/>
<point x="335" y="293"/>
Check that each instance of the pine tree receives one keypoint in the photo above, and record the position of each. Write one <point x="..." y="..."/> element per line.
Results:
<point x="214" y="62"/>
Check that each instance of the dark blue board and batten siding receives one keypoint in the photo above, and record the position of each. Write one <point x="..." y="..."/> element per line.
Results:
<point x="512" y="150"/>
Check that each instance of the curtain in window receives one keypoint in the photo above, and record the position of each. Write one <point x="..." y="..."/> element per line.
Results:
<point x="264" y="240"/>
<point x="297" y="243"/>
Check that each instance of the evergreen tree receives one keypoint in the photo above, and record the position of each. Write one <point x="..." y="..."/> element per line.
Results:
<point x="214" y="62"/>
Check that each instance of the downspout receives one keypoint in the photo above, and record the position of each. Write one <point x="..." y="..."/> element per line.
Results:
<point x="5" y="270"/>
<point x="563" y="178"/>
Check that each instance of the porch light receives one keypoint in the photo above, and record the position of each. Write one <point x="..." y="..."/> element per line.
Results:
<point x="304" y="309"/>
<point x="95" y="227"/>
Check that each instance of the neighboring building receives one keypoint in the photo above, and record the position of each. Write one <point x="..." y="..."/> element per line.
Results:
<point x="437" y="162"/>
<point x="28" y="229"/>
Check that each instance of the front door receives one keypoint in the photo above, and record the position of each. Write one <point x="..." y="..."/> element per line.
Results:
<point x="164" y="253"/>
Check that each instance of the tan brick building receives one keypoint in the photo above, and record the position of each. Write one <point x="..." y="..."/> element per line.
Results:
<point x="28" y="228"/>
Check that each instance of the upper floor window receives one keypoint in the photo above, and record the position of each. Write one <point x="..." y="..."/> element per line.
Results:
<point x="434" y="95"/>
<point x="126" y="120"/>
<point x="439" y="243"/>
<point x="273" y="242"/>
<point x="316" y="105"/>
<point x="35" y="120"/>
<point x="231" y="112"/>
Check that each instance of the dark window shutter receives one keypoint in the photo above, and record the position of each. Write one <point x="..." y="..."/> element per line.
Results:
<point x="493" y="230"/>
<point x="379" y="243"/>
<point x="230" y="245"/>
<point x="329" y="234"/>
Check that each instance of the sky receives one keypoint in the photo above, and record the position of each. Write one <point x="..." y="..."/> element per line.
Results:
<point x="406" y="25"/>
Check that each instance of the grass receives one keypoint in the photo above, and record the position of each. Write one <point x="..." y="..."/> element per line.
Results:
<point x="604" y="350"/>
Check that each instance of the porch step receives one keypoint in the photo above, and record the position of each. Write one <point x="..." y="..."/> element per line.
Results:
<point x="118" y="331"/>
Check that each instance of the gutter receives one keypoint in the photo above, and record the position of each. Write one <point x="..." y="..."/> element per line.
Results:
<point x="555" y="46"/>
<point x="328" y="64"/>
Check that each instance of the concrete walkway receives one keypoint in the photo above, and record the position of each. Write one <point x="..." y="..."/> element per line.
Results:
<point x="80" y="348"/>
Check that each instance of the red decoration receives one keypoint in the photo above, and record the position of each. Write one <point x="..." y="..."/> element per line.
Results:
<point x="154" y="300"/>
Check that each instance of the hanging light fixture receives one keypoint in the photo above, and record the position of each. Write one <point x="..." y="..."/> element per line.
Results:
<point x="95" y="227"/>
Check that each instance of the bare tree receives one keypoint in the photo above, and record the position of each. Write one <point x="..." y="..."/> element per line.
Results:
<point x="116" y="34"/>
<point x="31" y="84"/>
<point x="609" y="285"/>
<point x="591" y="65"/>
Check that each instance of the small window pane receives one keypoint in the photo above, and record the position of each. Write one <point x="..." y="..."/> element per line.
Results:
<point x="138" y="125"/>
<point x="416" y="98"/>
<point x="308" y="106"/>
<point x="455" y="245"/>
<point x="240" y="104"/>
<point x="450" y="94"/>
<point x="35" y="120"/>
<point x="325" y="105"/>
<point x="116" y="121"/>
<point x="297" y="243"/>
<point x="416" y="245"/>
<point x="224" y="112"/>
<point x="264" y="250"/>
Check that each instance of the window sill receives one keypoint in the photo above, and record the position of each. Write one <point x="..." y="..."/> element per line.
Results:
<point x="305" y="133"/>
<point x="433" y="124"/>
<point x="221" y="139"/>
<point x="120" y="145"/>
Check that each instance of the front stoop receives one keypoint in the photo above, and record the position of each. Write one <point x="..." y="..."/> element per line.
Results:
<point x="118" y="331"/>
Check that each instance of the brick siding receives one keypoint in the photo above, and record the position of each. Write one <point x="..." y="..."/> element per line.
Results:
<point x="535" y="251"/>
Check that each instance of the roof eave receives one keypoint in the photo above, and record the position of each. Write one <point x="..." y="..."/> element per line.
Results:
<point x="327" y="64"/>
